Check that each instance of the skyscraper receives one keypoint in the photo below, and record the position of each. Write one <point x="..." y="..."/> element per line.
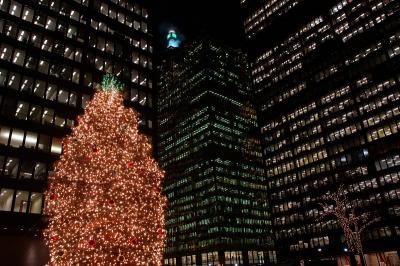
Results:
<point x="327" y="77"/>
<point x="53" y="55"/>
<point x="209" y="148"/>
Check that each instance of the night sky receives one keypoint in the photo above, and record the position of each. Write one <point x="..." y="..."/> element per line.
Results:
<point x="219" y="19"/>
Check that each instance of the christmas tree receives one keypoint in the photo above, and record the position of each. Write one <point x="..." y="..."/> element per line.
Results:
<point x="104" y="200"/>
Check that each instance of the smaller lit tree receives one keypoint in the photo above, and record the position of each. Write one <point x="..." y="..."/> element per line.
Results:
<point x="353" y="225"/>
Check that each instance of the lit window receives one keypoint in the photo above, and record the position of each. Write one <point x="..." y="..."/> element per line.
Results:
<point x="121" y="18"/>
<point x="134" y="95"/>
<point x="31" y="140"/>
<point x="17" y="137"/>
<point x="74" y="15"/>
<point x="145" y="14"/>
<point x="22" y="110"/>
<point x="68" y="53"/>
<point x="112" y="14"/>
<point x="78" y="55"/>
<point x="51" y="93"/>
<point x="104" y="9"/>
<point x="21" y="201"/>
<point x="144" y="27"/>
<point x="143" y="44"/>
<point x="36" y="203"/>
<point x="51" y="23"/>
<point x="23" y="36"/>
<point x="63" y="96"/>
<point x="98" y="62"/>
<point x="15" y="8"/>
<point x="39" y="171"/>
<point x="136" y="25"/>
<point x="40" y="20"/>
<point x="56" y="146"/>
<point x="47" y="44"/>
<point x="72" y="32"/>
<point x="6" y="197"/>
<point x="72" y="99"/>
<point x="101" y="44"/>
<point x="19" y="57"/>
<point x="4" y="135"/>
<point x="14" y="80"/>
<point x="35" y="113"/>
<point x="5" y="52"/>
<point x="59" y="121"/>
<point x="75" y="76"/>
<point x="48" y="115"/>
<point x="43" y="66"/>
<point x="11" y="168"/>
<point x="110" y="47"/>
<point x="135" y="58"/>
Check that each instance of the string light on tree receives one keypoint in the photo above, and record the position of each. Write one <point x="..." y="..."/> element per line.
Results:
<point x="352" y="224"/>
<point x="104" y="199"/>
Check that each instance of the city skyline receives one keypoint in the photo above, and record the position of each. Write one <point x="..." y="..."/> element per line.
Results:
<point x="264" y="117"/>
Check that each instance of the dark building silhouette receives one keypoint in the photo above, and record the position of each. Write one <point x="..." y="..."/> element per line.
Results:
<point x="326" y="76"/>
<point x="210" y="149"/>
<point x="53" y="54"/>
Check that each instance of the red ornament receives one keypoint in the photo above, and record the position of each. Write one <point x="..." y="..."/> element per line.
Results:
<point x="133" y="241"/>
<point x="54" y="238"/>
<point x="160" y="232"/>
<point x="92" y="243"/>
<point x="53" y="197"/>
<point x="157" y="189"/>
<point x="111" y="201"/>
<point x="131" y="165"/>
<point x="95" y="150"/>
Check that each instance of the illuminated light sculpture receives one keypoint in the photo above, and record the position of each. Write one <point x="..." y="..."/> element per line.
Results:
<point x="353" y="225"/>
<point x="104" y="199"/>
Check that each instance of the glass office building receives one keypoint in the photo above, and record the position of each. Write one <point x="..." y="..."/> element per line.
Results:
<point x="210" y="149"/>
<point x="327" y="80"/>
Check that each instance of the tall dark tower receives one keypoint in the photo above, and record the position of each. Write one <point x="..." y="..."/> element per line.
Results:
<point x="53" y="55"/>
<point x="327" y="81"/>
<point x="210" y="150"/>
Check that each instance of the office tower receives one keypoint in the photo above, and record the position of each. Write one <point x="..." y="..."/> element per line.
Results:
<point x="326" y="78"/>
<point x="209" y="148"/>
<point x="53" y="54"/>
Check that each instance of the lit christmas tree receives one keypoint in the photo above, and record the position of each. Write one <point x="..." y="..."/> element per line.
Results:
<point x="104" y="199"/>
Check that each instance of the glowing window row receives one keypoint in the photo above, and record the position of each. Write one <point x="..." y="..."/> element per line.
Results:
<point x="40" y="64"/>
<point x="23" y="110"/>
<point x="20" y="201"/>
<point x="18" y="138"/>
<point x="12" y="167"/>
<point x="46" y="43"/>
<point x="48" y="22"/>
<point x="39" y="88"/>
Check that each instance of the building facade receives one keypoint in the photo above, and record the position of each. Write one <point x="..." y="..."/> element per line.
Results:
<point x="327" y="81"/>
<point x="53" y="55"/>
<point x="209" y="147"/>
